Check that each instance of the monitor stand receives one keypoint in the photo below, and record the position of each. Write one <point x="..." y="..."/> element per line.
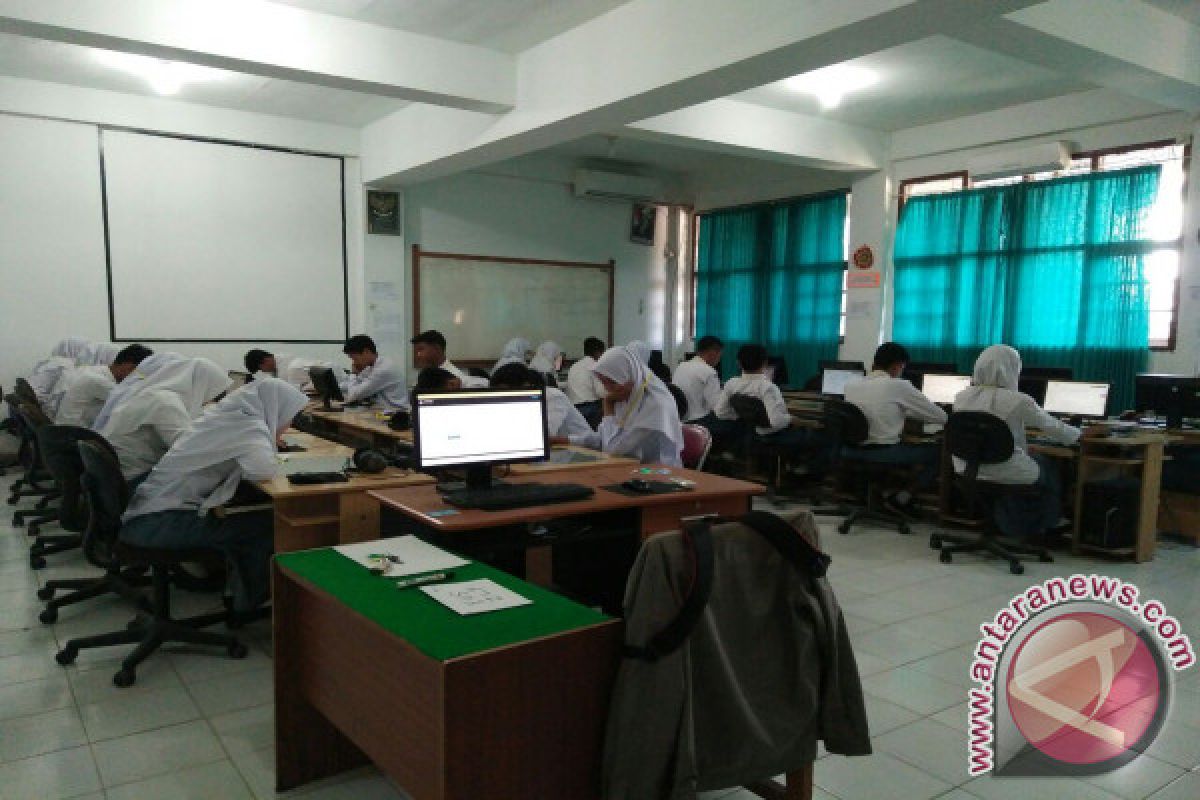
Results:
<point x="478" y="477"/>
<point x="329" y="405"/>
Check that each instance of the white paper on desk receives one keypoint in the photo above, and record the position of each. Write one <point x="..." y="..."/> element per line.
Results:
<point x="475" y="597"/>
<point x="415" y="555"/>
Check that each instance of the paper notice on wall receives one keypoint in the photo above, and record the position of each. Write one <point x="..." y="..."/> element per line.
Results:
<point x="383" y="293"/>
<point x="860" y="309"/>
<point x="387" y="322"/>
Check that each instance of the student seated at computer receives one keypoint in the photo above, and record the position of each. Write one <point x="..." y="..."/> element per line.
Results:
<point x="429" y="350"/>
<point x="698" y="380"/>
<point x="547" y="361"/>
<point x="46" y="374"/>
<point x="158" y="409"/>
<point x="375" y="379"/>
<point x="234" y="440"/>
<point x="887" y="400"/>
<point x="516" y="351"/>
<point x="88" y="387"/>
<point x="257" y="361"/>
<point x="562" y="417"/>
<point x="640" y="417"/>
<point x="753" y="382"/>
<point x="436" y="378"/>
<point x="583" y="386"/>
<point x="994" y="390"/>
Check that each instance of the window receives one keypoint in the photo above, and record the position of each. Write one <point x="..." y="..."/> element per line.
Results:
<point x="1166" y="217"/>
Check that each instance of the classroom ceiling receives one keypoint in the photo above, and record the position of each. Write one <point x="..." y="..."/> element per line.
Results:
<point x="508" y="25"/>
<point x="42" y="60"/>
<point x="928" y="81"/>
<point x="1187" y="10"/>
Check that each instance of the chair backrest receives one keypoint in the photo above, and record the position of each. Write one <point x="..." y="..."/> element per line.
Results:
<point x="750" y="411"/>
<point x="978" y="438"/>
<point x="59" y="449"/>
<point x="107" y="494"/>
<point x="681" y="403"/>
<point x="845" y="422"/>
<point x="34" y="416"/>
<point x="25" y="392"/>
<point x="697" y="440"/>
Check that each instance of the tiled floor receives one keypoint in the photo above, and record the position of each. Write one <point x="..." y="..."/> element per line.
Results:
<point x="200" y="726"/>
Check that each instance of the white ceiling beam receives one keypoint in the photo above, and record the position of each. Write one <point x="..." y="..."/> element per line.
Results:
<point x="650" y="57"/>
<point x="737" y="128"/>
<point x="1125" y="45"/>
<point x="277" y="41"/>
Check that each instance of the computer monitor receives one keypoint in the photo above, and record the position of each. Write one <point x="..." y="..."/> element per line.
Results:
<point x="777" y="370"/>
<point x="1076" y="398"/>
<point x="239" y="378"/>
<point x="1032" y="380"/>
<point x="943" y="388"/>
<point x="325" y="382"/>
<point x="478" y="429"/>
<point x="915" y="371"/>
<point x="834" y="379"/>
<point x="1172" y="396"/>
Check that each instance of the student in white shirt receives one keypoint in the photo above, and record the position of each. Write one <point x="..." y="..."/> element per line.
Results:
<point x="376" y="380"/>
<point x="429" y="350"/>
<point x="752" y="358"/>
<point x="562" y="418"/>
<point x="699" y="381"/>
<point x="516" y="351"/>
<point x="88" y="387"/>
<point x="887" y="400"/>
<point x="640" y="417"/>
<point x="257" y="361"/>
<point x="46" y="377"/>
<point x="583" y="387"/>
<point x="436" y="378"/>
<point x="100" y="354"/>
<point x="232" y="441"/>
<point x="994" y="389"/>
<point x="158" y="409"/>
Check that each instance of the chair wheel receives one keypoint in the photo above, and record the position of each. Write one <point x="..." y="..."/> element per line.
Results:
<point x="935" y="542"/>
<point x="844" y="527"/>
<point x="66" y="655"/>
<point x="945" y="557"/>
<point x="1016" y="568"/>
<point x="45" y="593"/>
<point x="18" y="521"/>
<point x="1045" y="558"/>
<point x="35" y="529"/>
<point x="237" y="650"/>
<point x="124" y="678"/>
<point x="903" y="529"/>
<point x="49" y="616"/>
<point x="37" y="562"/>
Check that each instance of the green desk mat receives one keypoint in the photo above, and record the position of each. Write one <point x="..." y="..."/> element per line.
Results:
<point x="428" y="625"/>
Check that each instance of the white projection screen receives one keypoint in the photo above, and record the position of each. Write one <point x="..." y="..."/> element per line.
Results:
<point x="222" y="242"/>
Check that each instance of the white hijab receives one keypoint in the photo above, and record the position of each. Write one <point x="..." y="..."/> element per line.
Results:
<point x="642" y="350"/>
<point x="994" y="382"/>
<point x="74" y="348"/>
<point x="650" y="406"/>
<point x="189" y="381"/>
<point x="48" y="376"/>
<point x="116" y="397"/>
<point x="242" y="422"/>
<point x="513" y="353"/>
<point x="546" y="358"/>
<point x="102" y="354"/>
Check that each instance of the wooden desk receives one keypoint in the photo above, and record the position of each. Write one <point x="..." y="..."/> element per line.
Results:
<point x="520" y="719"/>
<point x="600" y="461"/>
<point x="1139" y="452"/>
<point x="360" y="423"/>
<point x="656" y="512"/>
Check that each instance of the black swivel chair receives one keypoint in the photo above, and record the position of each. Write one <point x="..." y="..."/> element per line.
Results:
<point x="847" y="426"/>
<point x="752" y="414"/>
<point x="58" y="447"/>
<point x="108" y="494"/>
<point x="32" y="419"/>
<point x="980" y="438"/>
<point x="35" y="481"/>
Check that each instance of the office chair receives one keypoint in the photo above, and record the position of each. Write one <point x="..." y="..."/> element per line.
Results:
<point x="108" y="495"/>
<point x="847" y="425"/>
<point x="752" y="414"/>
<point x="697" y="441"/>
<point x="34" y="478"/>
<point x="681" y="403"/>
<point x="32" y="419"/>
<point x="980" y="438"/>
<point x="57" y="445"/>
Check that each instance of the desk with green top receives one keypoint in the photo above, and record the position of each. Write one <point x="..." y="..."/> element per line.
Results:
<point x="507" y="704"/>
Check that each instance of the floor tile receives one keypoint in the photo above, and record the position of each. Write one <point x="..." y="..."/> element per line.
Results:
<point x="243" y="690"/>
<point x="95" y="684"/>
<point x="28" y="667"/>
<point x="878" y="777"/>
<point x="29" y="640"/>
<point x="48" y="694"/>
<point x="952" y="666"/>
<point x="931" y="746"/>
<point x="1138" y="779"/>
<point x="156" y="752"/>
<point x="990" y="787"/>
<point x="34" y="735"/>
<point x="206" y="665"/>
<point x="1184" y="788"/>
<point x="138" y="711"/>
<point x="884" y="716"/>
<point x="247" y="730"/>
<point x="54" y="776"/>
<point x="914" y="690"/>
<point x="205" y="782"/>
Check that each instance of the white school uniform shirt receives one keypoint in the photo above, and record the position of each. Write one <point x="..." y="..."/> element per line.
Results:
<point x="468" y="381"/>
<point x="563" y="418"/>
<point x="700" y="385"/>
<point x="756" y="385"/>
<point x="886" y="402"/>
<point x="382" y="384"/>
<point x="582" y="384"/>
<point x="994" y="390"/>
<point x="87" y="390"/>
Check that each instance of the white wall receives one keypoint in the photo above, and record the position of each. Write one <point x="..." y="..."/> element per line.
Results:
<point x="503" y="215"/>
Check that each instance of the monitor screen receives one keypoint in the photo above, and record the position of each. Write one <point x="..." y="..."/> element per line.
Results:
<point x="944" y="388"/>
<point x="1076" y="397"/>
<point x="833" y="381"/>
<point x="464" y="428"/>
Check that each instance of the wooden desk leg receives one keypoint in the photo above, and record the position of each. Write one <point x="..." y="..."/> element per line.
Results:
<point x="1147" y="530"/>
<point x="539" y="565"/>
<point x="1081" y="471"/>
<point x="359" y="517"/>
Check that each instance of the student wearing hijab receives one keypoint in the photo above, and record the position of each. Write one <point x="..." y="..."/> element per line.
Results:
<point x="88" y="388"/>
<point x="46" y="376"/>
<point x="562" y="418"/>
<point x="377" y="380"/>
<point x="994" y="389"/>
<point x="158" y="409"/>
<point x="232" y="441"/>
<point x="640" y="416"/>
<point x="514" y="352"/>
<point x="100" y="354"/>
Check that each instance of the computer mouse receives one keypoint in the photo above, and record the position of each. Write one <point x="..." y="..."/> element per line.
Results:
<point x="638" y="485"/>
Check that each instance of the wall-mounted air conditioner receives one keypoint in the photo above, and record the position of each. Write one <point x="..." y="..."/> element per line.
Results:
<point x="615" y="186"/>
<point x="1020" y="161"/>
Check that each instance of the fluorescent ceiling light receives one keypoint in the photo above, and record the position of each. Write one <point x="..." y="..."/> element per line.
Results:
<point x="164" y="77"/>
<point x="830" y="84"/>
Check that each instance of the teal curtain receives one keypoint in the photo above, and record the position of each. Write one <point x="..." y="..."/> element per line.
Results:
<point x="1054" y="268"/>
<point x="772" y="274"/>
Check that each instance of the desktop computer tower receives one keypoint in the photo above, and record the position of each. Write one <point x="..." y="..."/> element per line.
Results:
<point x="1110" y="512"/>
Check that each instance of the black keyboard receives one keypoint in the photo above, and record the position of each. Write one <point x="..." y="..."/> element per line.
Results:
<point x="309" y="478"/>
<point x="518" y="495"/>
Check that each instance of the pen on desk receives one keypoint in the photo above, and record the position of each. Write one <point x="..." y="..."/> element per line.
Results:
<point x="422" y="580"/>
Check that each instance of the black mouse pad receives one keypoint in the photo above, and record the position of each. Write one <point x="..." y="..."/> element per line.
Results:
<point x="656" y="487"/>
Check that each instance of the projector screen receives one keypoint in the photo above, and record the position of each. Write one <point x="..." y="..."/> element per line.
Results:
<point x="220" y="242"/>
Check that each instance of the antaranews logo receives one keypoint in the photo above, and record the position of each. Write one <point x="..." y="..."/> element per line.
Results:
<point x="1072" y="678"/>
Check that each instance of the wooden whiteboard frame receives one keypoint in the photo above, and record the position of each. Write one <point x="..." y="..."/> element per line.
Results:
<point x="418" y="254"/>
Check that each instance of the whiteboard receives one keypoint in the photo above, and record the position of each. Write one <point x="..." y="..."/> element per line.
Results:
<point x="221" y="242"/>
<point x="480" y="302"/>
